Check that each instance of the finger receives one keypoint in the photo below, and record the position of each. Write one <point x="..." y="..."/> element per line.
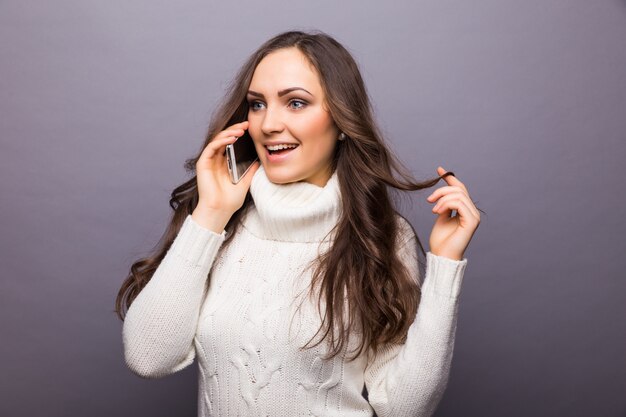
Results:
<point x="462" y="197"/>
<point x="231" y="132"/>
<point x="216" y="148"/>
<point x="237" y="129"/>
<point x="471" y="206"/>
<point x="468" y="202"/>
<point x="443" y="199"/>
<point x="462" y="210"/>
<point x="466" y="216"/>
<point x="243" y="124"/>
<point x="443" y="191"/>
<point x="439" y="193"/>
<point x="451" y="179"/>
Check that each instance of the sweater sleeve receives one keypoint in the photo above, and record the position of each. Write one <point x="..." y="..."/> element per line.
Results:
<point x="410" y="379"/>
<point x="160" y="324"/>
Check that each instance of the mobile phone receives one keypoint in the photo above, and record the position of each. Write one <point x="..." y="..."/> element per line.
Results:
<point x="240" y="156"/>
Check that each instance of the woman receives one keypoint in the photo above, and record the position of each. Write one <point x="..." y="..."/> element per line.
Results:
<point x="225" y="285"/>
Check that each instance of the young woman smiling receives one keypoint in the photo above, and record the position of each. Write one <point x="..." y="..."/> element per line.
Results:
<point x="228" y="283"/>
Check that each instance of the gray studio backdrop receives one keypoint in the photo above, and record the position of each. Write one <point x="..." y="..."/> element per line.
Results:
<point x="101" y="103"/>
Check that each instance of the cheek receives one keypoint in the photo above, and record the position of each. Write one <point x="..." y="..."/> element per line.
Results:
<point x="316" y="130"/>
<point x="316" y="124"/>
<point x="254" y="132"/>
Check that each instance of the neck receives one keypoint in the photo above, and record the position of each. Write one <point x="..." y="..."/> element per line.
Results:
<point x="293" y="212"/>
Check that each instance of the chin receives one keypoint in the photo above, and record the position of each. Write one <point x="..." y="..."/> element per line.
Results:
<point x="279" y="178"/>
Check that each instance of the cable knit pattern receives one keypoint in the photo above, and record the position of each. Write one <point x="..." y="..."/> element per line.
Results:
<point x="241" y="310"/>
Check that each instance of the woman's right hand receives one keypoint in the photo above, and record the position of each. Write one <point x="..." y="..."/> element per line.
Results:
<point x="218" y="197"/>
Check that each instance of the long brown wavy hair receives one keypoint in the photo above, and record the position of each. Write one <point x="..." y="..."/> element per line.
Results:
<point x="362" y="267"/>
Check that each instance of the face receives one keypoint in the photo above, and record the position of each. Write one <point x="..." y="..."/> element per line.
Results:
<point x="299" y="118"/>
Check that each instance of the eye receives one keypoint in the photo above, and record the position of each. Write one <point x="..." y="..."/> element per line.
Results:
<point x="298" y="101"/>
<point x="251" y="105"/>
<point x="300" y="104"/>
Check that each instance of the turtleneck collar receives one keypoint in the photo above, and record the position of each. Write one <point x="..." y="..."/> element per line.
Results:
<point x="293" y="212"/>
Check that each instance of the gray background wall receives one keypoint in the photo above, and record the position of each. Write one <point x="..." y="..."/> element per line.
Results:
<point x="101" y="103"/>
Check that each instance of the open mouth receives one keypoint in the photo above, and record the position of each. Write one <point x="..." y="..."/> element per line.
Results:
<point x="281" y="151"/>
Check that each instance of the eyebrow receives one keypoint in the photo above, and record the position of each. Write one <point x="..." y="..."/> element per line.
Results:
<point x="280" y="93"/>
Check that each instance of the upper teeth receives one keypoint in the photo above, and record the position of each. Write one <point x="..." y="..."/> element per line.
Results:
<point x="281" y="146"/>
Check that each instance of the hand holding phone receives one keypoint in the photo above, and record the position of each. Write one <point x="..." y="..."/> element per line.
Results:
<point x="240" y="156"/>
<point x="218" y="196"/>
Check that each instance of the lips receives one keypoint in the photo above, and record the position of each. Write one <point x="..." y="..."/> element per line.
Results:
<point x="279" y="156"/>
<point x="279" y="146"/>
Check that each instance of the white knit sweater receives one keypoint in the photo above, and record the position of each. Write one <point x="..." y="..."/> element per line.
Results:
<point x="231" y="308"/>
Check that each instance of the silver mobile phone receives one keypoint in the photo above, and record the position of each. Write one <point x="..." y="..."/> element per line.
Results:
<point x="240" y="155"/>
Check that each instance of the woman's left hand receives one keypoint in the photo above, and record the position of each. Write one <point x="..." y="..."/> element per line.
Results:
<point x="451" y="235"/>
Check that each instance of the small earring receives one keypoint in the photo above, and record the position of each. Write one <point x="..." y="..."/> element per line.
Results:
<point x="342" y="136"/>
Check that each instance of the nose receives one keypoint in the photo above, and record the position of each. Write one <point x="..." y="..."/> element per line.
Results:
<point x="272" y="121"/>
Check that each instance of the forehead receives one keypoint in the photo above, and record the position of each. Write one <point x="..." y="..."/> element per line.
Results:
<point x="283" y="69"/>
